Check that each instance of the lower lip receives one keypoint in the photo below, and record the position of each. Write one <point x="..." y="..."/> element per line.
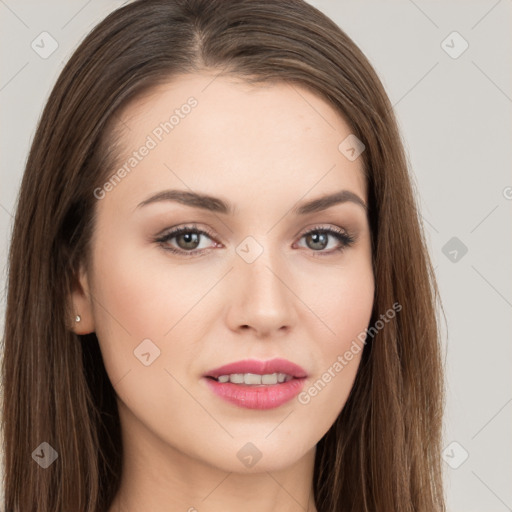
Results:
<point x="262" y="397"/>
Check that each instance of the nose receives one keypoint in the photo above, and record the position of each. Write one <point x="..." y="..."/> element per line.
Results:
<point x="261" y="297"/>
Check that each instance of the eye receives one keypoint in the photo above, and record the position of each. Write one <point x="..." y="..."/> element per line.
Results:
<point x="188" y="240"/>
<point x="317" y="239"/>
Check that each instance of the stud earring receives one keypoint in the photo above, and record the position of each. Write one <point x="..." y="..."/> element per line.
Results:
<point x="77" y="318"/>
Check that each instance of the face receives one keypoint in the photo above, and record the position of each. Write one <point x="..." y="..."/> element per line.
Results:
<point x="254" y="275"/>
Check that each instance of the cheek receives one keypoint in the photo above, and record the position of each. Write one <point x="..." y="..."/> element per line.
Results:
<point x="139" y="296"/>
<point x="352" y="305"/>
<point x="127" y="305"/>
<point x="139" y="291"/>
<point x="345" y="307"/>
<point x="341" y="297"/>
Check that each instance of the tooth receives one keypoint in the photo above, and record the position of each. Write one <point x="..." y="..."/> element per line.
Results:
<point x="252" y="378"/>
<point x="255" y="379"/>
<point x="237" y="378"/>
<point x="269" y="379"/>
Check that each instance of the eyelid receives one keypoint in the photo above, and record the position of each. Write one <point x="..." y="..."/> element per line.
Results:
<point x="323" y="227"/>
<point x="187" y="227"/>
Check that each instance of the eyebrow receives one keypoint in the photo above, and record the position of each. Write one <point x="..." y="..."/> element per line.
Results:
<point x="218" y="205"/>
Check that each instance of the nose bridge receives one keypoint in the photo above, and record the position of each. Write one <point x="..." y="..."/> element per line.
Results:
<point x="264" y="298"/>
<point x="262" y="273"/>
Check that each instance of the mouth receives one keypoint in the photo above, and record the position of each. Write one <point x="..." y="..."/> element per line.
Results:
<point x="256" y="384"/>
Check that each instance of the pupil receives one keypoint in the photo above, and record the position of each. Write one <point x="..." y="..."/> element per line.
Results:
<point x="319" y="238"/>
<point x="190" y="238"/>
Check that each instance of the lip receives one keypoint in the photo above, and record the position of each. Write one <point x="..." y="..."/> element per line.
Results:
<point x="257" y="397"/>
<point x="260" y="367"/>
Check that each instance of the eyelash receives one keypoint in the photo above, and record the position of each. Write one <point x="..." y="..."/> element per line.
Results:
<point x="342" y="236"/>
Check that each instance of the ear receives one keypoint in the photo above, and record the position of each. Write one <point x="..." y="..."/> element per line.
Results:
<point x="82" y="305"/>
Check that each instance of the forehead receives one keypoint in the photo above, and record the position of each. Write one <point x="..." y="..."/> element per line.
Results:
<point x="224" y="104"/>
<point x="209" y="133"/>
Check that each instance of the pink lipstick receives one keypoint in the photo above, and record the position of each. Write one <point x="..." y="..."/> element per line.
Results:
<point x="257" y="384"/>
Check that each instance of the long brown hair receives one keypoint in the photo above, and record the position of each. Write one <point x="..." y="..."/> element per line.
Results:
<point x="383" y="451"/>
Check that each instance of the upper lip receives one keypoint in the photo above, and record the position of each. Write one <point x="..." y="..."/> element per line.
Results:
<point x="259" y="367"/>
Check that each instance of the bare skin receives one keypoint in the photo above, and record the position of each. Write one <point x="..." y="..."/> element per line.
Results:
<point x="264" y="149"/>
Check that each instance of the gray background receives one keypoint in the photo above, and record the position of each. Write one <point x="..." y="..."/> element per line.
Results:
<point x="455" y="119"/>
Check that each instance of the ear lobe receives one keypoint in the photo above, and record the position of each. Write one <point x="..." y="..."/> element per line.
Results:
<point x="81" y="305"/>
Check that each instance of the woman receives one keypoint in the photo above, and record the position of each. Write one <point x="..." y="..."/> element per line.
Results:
<point x="219" y="292"/>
